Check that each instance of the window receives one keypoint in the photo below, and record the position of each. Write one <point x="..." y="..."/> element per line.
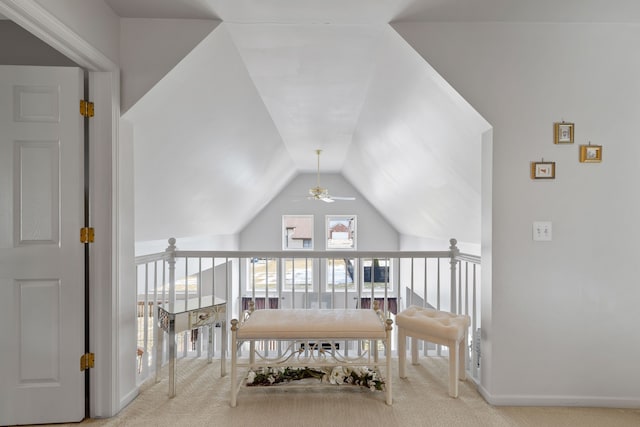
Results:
<point x="341" y="274"/>
<point x="298" y="274"/>
<point x="376" y="273"/>
<point x="341" y="232"/>
<point x="263" y="273"/>
<point x="297" y="232"/>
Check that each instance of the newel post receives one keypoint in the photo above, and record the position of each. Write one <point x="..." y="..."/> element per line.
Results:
<point x="171" y="251"/>
<point x="454" y="252"/>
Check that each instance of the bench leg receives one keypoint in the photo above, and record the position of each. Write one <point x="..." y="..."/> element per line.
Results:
<point x="454" y="352"/>
<point x="414" y="350"/>
<point x="402" y="352"/>
<point x="387" y="348"/>
<point x="462" y="358"/>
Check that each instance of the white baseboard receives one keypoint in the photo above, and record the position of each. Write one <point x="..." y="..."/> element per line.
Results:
<point x="558" y="400"/>
<point x="129" y="397"/>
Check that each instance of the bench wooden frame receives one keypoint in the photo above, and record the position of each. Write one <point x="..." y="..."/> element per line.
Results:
<point x="310" y="337"/>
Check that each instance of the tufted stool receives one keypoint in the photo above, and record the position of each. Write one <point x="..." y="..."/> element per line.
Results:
<point x="439" y="327"/>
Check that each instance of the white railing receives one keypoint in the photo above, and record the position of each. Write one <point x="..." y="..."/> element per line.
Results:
<point x="304" y="279"/>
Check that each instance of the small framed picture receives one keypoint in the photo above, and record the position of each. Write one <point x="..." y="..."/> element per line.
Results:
<point x="563" y="133"/>
<point x="590" y="153"/>
<point x="543" y="170"/>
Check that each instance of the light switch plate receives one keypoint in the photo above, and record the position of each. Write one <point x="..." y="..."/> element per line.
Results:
<point x="542" y="230"/>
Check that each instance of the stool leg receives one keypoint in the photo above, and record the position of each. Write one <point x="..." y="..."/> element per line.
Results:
<point x="402" y="352"/>
<point x="414" y="350"/>
<point x="453" y="368"/>
<point x="462" y="360"/>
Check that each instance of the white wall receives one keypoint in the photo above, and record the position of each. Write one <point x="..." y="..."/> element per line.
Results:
<point x="416" y="148"/>
<point x="264" y="232"/>
<point x="127" y="338"/>
<point x="149" y="48"/>
<point x="416" y="243"/>
<point x="93" y="21"/>
<point x="564" y="313"/>
<point x="19" y="47"/>
<point x="227" y="242"/>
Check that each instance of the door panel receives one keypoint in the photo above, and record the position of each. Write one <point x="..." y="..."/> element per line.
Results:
<point x="41" y="257"/>
<point x="36" y="189"/>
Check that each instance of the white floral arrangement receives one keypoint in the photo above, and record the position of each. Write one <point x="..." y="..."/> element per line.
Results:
<point x="353" y="375"/>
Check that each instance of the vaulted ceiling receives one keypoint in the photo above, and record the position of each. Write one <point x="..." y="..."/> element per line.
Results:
<point x="241" y="115"/>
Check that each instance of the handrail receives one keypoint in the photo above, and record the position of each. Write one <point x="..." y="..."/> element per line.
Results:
<point x="475" y="259"/>
<point x="145" y="259"/>
<point x="164" y="256"/>
<point x="306" y="254"/>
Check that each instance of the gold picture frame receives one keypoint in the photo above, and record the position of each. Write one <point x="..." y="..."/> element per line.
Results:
<point x="563" y="133"/>
<point x="590" y="153"/>
<point x="543" y="170"/>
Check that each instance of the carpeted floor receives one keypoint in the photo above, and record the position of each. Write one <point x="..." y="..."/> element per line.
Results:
<point x="420" y="400"/>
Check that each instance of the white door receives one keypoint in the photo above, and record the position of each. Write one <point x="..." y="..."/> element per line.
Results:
<point x="41" y="257"/>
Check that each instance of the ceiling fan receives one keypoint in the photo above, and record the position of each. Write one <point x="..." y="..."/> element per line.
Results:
<point x="320" y="193"/>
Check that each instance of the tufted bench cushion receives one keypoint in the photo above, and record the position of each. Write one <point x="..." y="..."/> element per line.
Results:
<point x="290" y="324"/>
<point x="443" y="324"/>
<point x="439" y="327"/>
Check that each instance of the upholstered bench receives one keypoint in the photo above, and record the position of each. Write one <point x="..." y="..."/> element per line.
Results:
<point x="310" y="328"/>
<point x="439" y="327"/>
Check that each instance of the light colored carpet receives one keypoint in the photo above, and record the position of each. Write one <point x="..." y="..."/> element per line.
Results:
<point x="420" y="400"/>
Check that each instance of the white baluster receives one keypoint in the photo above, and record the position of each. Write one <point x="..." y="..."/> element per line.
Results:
<point x="453" y="261"/>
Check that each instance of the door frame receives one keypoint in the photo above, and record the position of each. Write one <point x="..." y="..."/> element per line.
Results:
<point x="105" y="259"/>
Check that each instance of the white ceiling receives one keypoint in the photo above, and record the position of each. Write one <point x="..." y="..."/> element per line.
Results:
<point x="245" y="110"/>
<point x="313" y="80"/>
<point x="382" y="11"/>
<point x="267" y="11"/>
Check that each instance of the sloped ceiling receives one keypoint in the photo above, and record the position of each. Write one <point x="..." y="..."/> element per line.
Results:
<point x="313" y="80"/>
<point x="417" y="147"/>
<point x="207" y="153"/>
<point x="242" y="114"/>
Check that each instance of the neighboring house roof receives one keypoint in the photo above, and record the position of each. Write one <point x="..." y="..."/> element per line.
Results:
<point x="340" y="228"/>
<point x="302" y="227"/>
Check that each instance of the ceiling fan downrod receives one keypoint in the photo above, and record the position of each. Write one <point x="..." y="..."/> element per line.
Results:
<point x="318" y="151"/>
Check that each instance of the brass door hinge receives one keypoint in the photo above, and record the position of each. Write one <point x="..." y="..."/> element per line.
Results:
<point x="86" y="108"/>
<point x="87" y="235"/>
<point x="87" y="361"/>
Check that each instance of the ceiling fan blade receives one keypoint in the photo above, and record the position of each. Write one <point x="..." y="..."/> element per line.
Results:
<point x="342" y="198"/>
<point x="327" y="199"/>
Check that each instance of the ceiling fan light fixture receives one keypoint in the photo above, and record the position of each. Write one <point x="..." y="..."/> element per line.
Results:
<point x="321" y="193"/>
